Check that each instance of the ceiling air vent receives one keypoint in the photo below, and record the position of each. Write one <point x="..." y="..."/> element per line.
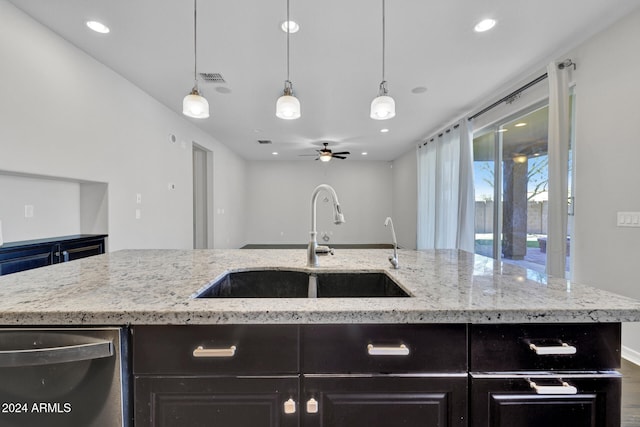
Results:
<point x="264" y="141"/>
<point x="212" y="78"/>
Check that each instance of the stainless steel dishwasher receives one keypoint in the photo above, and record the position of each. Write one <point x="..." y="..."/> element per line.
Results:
<point x="71" y="377"/>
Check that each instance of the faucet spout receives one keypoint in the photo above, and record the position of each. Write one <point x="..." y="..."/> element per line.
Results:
<point x="338" y="218"/>
<point x="393" y="259"/>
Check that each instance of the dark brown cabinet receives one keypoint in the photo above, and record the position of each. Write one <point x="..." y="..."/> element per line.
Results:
<point x="178" y="401"/>
<point x="512" y="402"/>
<point x="227" y="375"/>
<point x="545" y="375"/>
<point x="26" y="255"/>
<point x="377" y="375"/>
<point x="381" y="375"/>
<point x="382" y="401"/>
<point x="308" y="375"/>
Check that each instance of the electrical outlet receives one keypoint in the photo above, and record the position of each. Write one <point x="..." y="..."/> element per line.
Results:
<point x="138" y="213"/>
<point x="28" y="211"/>
<point x="138" y="198"/>
<point x="628" y="219"/>
<point x="171" y="186"/>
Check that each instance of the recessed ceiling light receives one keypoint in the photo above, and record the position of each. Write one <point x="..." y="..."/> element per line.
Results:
<point x="291" y="25"/>
<point x="275" y="153"/>
<point x="98" y="27"/>
<point x="519" y="125"/>
<point x="419" y="89"/>
<point x="485" y="25"/>
<point x="364" y="153"/>
<point x="385" y="130"/>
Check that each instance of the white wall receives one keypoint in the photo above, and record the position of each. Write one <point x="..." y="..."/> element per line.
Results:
<point x="278" y="200"/>
<point x="63" y="114"/>
<point x="56" y="208"/>
<point x="405" y="199"/>
<point x="607" y="154"/>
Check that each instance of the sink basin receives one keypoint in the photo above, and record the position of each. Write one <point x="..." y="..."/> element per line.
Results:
<point x="297" y="284"/>
<point x="351" y="285"/>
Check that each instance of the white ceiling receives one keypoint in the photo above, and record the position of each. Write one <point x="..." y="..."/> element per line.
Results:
<point x="335" y="61"/>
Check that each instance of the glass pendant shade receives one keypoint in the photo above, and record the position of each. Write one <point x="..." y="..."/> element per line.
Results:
<point x="196" y="106"/>
<point x="383" y="107"/>
<point x="288" y="106"/>
<point x="325" y="157"/>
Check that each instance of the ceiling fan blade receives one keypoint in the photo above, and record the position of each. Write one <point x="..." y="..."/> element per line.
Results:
<point x="341" y="153"/>
<point x="338" y="157"/>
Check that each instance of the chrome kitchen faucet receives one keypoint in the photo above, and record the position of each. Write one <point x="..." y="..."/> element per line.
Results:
<point x="313" y="249"/>
<point x="394" y="258"/>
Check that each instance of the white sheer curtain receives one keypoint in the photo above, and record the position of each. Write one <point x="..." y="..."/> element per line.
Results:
<point x="466" y="196"/>
<point x="426" y="195"/>
<point x="558" y="169"/>
<point x="445" y="186"/>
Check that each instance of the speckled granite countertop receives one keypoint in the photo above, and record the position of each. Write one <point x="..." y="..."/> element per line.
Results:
<point x="157" y="287"/>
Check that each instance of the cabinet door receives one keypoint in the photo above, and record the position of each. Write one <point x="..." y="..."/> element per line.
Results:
<point x="511" y="402"/>
<point x="203" y="402"/>
<point x="26" y="258"/>
<point x="384" y="401"/>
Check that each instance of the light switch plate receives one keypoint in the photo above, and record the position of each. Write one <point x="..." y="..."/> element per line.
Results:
<point x="629" y="219"/>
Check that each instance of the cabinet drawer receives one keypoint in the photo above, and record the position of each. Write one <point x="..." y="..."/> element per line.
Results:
<point x="384" y="348"/>
<point x="592" y="346"/>
<point x="215" y="350"/>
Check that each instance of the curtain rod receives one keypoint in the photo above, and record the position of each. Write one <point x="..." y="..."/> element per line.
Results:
<point x="508" y="97"/>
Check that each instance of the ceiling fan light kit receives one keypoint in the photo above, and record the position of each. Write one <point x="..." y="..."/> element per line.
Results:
<point x="325" y="154"/>
<point x="195" y="105"/>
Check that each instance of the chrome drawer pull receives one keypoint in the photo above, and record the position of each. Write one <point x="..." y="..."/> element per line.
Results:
<point x="200" y="351"/>
<point x="553" y="350"/>
<point x="290" y="406"/>
<point x="565" y="388"/>
<point x="401" y="350"/>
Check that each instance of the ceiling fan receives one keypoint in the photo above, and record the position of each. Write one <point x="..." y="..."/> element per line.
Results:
<point x="325" y="154"/>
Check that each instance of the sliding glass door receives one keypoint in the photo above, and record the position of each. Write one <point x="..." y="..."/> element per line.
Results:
<point x="511" y="187"/>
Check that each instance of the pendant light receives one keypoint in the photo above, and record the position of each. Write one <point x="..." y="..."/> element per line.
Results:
<point x="195" y="105"/>
<point x="383" y="107"/>
<point x="288" y="106"/>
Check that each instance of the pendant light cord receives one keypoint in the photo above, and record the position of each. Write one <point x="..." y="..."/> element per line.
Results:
<point x="195" y="43"/>
<point x="383" y="39"/>
<point x="288" y="33"/>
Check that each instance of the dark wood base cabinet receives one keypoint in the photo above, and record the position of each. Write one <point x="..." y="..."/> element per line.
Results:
<point x="511" y="402"/>
<point x="203" y="402"/>
<point x="453" y="375"/>
<point x="384" y="401"/>
<point x="29" y="254"/>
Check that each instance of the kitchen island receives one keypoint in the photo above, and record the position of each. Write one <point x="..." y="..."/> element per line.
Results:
<point x="477" y="342"/>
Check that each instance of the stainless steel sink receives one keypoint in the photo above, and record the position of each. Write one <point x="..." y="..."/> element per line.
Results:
<point x="297" y="284"/>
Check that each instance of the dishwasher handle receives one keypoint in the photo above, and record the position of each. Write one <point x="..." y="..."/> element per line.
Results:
<point x="52" y="355"/>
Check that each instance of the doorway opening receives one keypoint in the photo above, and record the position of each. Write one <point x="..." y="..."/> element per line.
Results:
<point x="202" y="197"/>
